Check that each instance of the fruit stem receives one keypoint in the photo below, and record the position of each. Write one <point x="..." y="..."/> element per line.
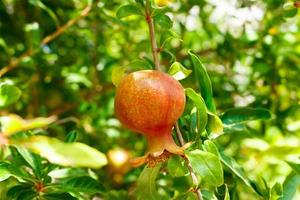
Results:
<point x="155" y="52"/>
<point x="188" y="164"/>
<point x="152" y="36"/>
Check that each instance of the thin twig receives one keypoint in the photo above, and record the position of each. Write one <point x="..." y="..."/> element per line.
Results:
<point x="179" y="135"/>
<point x="14" y="62"/>
<point x="188" y="164"/>
<point x="152" y="36"/>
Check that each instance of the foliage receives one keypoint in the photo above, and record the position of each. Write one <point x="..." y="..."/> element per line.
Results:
<point x="237" y="60"/>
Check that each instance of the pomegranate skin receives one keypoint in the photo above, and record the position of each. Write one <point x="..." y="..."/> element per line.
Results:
<point x="149" y="102"/>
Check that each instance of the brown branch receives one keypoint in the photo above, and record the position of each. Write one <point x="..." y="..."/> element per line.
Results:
<point x="14" y="62"/>
<point x="188" y="164"/>
<point x="154" y="48"/>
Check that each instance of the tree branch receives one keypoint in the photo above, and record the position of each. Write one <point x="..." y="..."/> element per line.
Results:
<point x="152" y="36"/>
<point x="14" y="62"/>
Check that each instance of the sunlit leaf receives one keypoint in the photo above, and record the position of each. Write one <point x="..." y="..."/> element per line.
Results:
<point x="146" y="185"/>
<point x="9" y="94"/>
<point x="178" y="71"/>
<point x="67" y="154"/>
<point x="204" y="82"/>
<point x="12" y="123"/>
<point x="207" y="166"/>
<point x="244" y="114"/>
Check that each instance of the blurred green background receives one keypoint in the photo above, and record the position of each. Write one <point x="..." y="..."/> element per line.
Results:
<point x="251" y="49"/>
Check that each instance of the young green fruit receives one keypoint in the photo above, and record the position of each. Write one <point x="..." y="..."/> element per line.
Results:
<point x="150" y="102"/>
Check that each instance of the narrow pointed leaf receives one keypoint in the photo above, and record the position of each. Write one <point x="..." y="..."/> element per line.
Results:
<point x="204" y="82"/>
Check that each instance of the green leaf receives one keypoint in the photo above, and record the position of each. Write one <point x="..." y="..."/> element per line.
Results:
<point x="21" y="192"/>
<point x="244" y="114"/>
<point x="210" y="146"/>
<point x="3" y="45"/>
<point x="289" y="10"/>
<point x="235" y="168"/>
<point x="214" y="125"/>
<point x="117" y="74"/>
<point x="290" y="186"/>
<point x="294" y="166"/>
<point x="178" y="71"/>
<point x="176" y="166"/>
<point x="208" y="195"/>
<point x="9" y="94"/>
<point x="84" y="184"/>
<point x="201" y="108"/>
<point x="67" y="154"/>
<point x="12" y="123"/>
<point x="163" y="20"/>
<point x="4" y="173"/>
<point x="204" y="82"/>
<point x="32" y="160"/>
<point x="276" y="192"/>
<point x="140" y="65"/>
<point x="57" y="196"/>
<point x="168" y="35"/>
<point x="128" y="10"/>
<point x="146" y="186"/>
<point x="41" y="5"/>
<point x="116" y="195"/>
<point x="72" y="136"/>
<point x="207" y="166"/>
<point x="33" y="34"/>
<point x="227" y="195"/>
<point x="7" y="170"/>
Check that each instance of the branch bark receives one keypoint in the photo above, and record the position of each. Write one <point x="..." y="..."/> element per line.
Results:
<point x="154" y="48"/>
<point x="14" y="62"/>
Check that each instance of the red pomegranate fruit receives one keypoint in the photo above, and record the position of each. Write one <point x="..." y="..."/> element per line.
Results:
<point x="150" y="102"/>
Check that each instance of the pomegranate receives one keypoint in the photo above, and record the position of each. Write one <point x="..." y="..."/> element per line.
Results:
<point x="150" y="102"/>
